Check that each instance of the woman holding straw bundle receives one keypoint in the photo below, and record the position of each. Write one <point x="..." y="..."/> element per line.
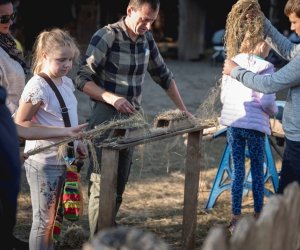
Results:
<point x="246" y="112"/>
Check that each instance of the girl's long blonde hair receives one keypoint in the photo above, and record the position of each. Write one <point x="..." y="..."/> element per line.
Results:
<point x="48" y="41"/>
<point x="244" y="27"/>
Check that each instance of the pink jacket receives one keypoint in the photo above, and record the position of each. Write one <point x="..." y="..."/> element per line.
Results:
<point x="244" y="107"/>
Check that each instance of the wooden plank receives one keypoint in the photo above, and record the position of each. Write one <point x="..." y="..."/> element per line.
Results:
<point x="243" y="235"/>
<point x="174" y="124"/>
<point x="270" y="230"/>
<point x="292" y="218"/>
<point x="192" y="171"/>
<point x="151" y="137"/>
<point x="108" y="188"/>
<point x="216" y="239"/>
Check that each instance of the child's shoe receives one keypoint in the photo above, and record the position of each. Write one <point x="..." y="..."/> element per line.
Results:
<point x="231" y="227"/>
<point x="256" y="215"/>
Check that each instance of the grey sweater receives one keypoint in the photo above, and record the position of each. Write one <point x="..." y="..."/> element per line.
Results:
<point x="288" y="77"/>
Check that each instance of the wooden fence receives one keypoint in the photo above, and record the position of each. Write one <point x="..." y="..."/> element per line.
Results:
<point x="277" y="228"/>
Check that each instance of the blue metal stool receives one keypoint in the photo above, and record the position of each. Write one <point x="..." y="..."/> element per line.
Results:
<point x="223" y="177"/>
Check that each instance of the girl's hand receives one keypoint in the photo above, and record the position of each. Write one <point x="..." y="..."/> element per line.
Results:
<point x="82" y="150"/>
<point x="76" y="131"/>
<point x="23" y="156"/>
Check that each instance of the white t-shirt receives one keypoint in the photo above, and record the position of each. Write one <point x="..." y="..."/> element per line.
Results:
<point x="49" y="113"/>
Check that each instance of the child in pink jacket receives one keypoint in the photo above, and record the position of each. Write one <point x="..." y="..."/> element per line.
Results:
<point x="246" y="113"/>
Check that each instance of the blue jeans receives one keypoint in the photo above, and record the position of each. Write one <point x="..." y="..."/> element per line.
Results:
<point x="45" y="182"/>
<point x="290" y="170"/>
<point x="237" y="139"/>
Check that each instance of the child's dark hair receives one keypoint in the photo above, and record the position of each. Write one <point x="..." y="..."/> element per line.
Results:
<point x="292" y="6"/>
<point x="50" y="40"/>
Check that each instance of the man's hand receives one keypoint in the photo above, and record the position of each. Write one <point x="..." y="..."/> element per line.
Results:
<point x="118" y="102"/>
<point x="189" y="115"/>
<point x="228" y="66"/>
<point x="123" y="106"/>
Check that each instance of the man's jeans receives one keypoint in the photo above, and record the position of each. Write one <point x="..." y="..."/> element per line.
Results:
<point x="125" y="160"/>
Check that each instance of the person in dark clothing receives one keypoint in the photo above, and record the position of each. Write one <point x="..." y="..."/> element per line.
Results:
<point x="10" y="173"/>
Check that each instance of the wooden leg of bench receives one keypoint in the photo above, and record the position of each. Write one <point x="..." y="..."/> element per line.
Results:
<point x="192" y="171"/>
<point x="108" y="188"/>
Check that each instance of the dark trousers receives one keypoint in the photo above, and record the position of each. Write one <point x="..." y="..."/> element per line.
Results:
<point x="290" y="169"/>
<point x="10" y="172"/>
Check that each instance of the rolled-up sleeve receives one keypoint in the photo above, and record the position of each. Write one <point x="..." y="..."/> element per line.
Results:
<point x="157" y="68"/>
<point x="95" y="58"/>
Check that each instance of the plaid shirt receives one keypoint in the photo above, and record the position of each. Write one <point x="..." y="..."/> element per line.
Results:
<point x="117" y="64"/>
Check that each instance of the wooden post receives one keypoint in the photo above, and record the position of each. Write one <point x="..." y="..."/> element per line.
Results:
<point x="108" y="187"/>
<point x="191" y="30"/>
<point x="192" y="171"/>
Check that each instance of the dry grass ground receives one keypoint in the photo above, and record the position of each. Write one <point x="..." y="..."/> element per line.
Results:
<point x="153" y="199"/>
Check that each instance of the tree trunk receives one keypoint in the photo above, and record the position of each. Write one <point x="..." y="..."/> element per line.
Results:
<point x="191" y="30"/>
<point x="273" y="13"/>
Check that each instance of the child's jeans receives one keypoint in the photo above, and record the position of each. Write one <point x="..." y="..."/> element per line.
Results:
<point x="238" y="139"/>
<point x="46" y="182"/>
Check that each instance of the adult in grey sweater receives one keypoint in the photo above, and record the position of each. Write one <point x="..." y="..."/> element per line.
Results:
<point x="288" y="77"/>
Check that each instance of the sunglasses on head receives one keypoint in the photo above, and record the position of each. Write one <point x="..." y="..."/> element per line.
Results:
<point x="6" y="18"/>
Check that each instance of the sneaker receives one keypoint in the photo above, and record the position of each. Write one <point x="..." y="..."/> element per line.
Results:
<point x="256" y="216"/>
<point x="231" y="227"/>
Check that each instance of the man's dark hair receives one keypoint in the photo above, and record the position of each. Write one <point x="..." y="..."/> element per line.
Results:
<point x="136" y="4"/>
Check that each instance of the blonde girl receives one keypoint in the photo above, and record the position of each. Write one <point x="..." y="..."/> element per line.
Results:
<point x="55" y="51"/>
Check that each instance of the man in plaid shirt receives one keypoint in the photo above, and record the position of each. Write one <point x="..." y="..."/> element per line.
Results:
<point x="116" y="62"/>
